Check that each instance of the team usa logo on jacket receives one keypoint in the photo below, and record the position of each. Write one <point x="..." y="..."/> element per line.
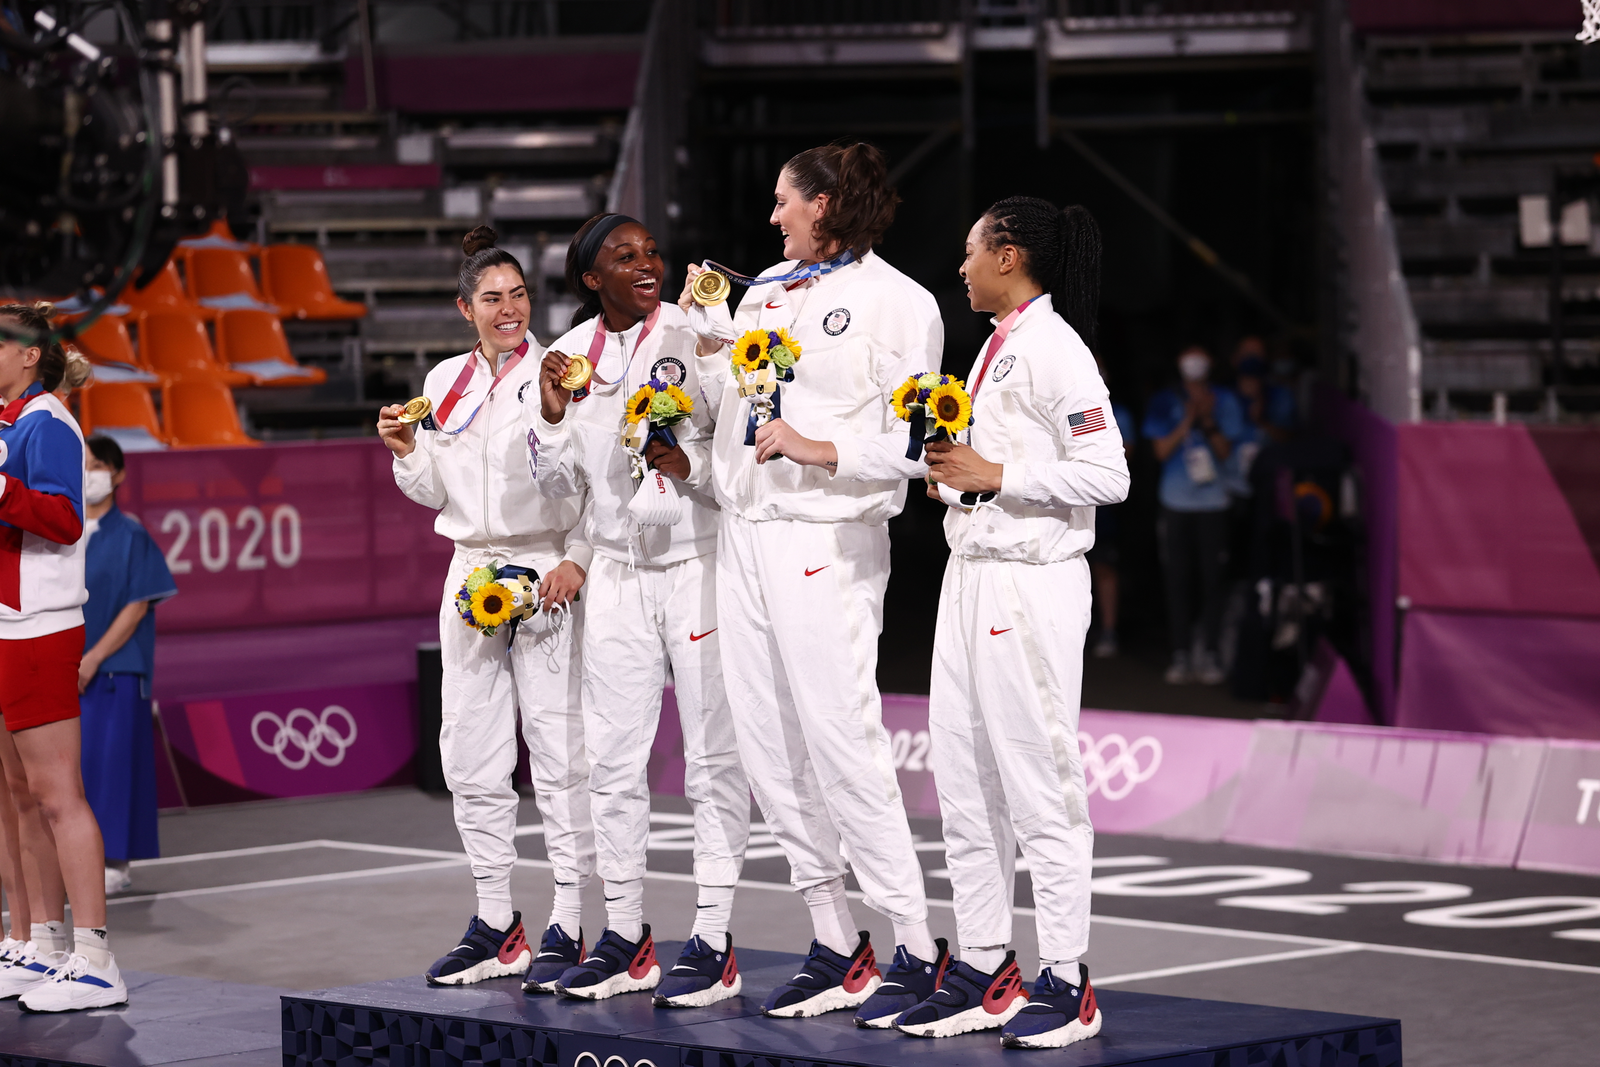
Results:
<point x="669" y="371"/>
<point x="1003" y="368"/>
<point x="836" y="321"/>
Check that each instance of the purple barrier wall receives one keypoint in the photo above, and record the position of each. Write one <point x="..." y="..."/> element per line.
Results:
<point x="1456" y="798"/>
<point x="1564" y="824"/>
<point x="442" y="79"/>
<point x="309" y="533"/>
<point x="1380" y="16"/>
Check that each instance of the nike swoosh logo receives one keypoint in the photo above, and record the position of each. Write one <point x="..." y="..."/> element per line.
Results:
<point x="695" y="637"/>
<point x="819" y="570"/>
<point x="773" y="307"/>
<point x="996" y="633"/>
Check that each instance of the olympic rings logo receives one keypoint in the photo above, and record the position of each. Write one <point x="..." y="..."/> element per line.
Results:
<point x="1124" y="764"/>
<point x="611" y="1061"/>
<point x="310" y="741"/>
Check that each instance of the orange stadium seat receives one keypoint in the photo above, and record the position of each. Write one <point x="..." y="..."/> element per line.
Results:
<point x="123" y="412"/>
<point x="296" y="280"/>
<point x="174" y="343"/>
<point x="164" y="293"/>
<point x="107" y="344"/>
<point x="201" y="414"/>
<point x="253" y="343"/>
<point x="221" y="278"/>
<point x="220" y="235"/>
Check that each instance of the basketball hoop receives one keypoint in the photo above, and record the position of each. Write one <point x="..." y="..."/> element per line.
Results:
<point x="1591" y="22"/>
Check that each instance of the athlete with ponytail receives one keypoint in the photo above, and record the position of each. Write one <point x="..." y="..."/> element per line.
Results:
<point x="1044" y="452"/>
<point x="802" y="563"/>
<point x="471" y="460"/>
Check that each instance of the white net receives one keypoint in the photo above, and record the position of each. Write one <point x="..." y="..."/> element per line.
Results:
<point x="1591" y="22"/>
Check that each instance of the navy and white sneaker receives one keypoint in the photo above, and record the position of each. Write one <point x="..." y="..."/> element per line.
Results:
<point x="703" y="975"/>
<point x="484" y="952"/>
<point x="616" y="965"/>
<point x="25" y="967"/>
<point x="1057" y="1015"/>
<point x="827" y="981"/>
<point x="558" y="954"/>
<point x="968" y="1000"/>
<point x="909" y="982"/>
<point x="75" y="985"/>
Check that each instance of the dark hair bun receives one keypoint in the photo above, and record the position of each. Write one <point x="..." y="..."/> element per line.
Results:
<point x="480" y="238"/>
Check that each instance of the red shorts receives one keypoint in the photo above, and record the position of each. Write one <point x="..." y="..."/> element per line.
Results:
<point x="39" y="679"/>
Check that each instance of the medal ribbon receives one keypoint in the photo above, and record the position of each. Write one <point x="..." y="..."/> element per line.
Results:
<point x="597" y="346"/>
<point x="1000" y="334"/>
<point x="464" y="379"/>
<point x="844" y="259"/>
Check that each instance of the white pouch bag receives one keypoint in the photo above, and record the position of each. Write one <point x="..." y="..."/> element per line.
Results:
<point x="656" y="502"/>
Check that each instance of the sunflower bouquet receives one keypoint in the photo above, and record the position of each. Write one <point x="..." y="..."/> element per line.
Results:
<point x="652" y="412"/>
<point x="937" y="407"/>
<point x="495" y="595"/>
<point x="762" y="359"/>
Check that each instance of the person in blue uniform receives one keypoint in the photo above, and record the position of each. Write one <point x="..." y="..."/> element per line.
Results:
<point x="127" y="576"/>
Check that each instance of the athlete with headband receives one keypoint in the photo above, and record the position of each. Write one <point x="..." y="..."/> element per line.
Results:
<point x="651" y="603"/>
<point x="1013" y="614"/>
<point x="471" y="460"/>
<point x="801" y="568"/>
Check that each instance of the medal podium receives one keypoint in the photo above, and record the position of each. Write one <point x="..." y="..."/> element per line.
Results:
<point x="405" y="1023"/>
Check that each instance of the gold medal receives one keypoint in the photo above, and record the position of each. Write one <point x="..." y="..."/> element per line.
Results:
<point x="710" y="288"/>
<point x="416" y="410"/>
<point x="579" y="371"/>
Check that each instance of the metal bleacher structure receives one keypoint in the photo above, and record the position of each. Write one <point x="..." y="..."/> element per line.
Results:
<point x="1443" y="158"/>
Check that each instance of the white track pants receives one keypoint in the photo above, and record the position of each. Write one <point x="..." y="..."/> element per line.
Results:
<point x="1003" y="720"/>
<point x="801" y="607"/>
<point x="484" y="686"/>
<point x="637" y="622"/>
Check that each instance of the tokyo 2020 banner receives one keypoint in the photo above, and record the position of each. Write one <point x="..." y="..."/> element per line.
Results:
<point x="291" y="533"/>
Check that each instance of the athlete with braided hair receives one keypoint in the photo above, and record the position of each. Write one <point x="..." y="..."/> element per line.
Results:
<point x="1044" y="451"/>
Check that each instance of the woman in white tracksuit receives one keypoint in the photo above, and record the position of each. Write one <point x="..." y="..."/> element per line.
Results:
<point x="1043" y="452"/>
<point x="472" y="461"/>
<point x="650" y="605"/>
<point x="802" y="564"/>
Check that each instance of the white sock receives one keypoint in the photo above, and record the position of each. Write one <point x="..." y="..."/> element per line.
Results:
<point x="1066" y="970"/>
<point x="986" y="960"/>
<point x="494" y="899"/>
<point x="830" y="915"/>
<point x="917" y="939"/>
<point x="94" y="944"/>
<point x="50" y="936"/>
<point x="625" y="909"/>
<point x="713" y="913"/>
<point x="567" y="912"/>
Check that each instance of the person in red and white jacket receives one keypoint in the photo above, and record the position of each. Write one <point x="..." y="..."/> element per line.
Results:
<point x="41" y="643"/>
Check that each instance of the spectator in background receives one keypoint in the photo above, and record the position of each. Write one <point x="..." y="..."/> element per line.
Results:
<point x="1194" y="429"/>
<point x="1106" y="554"/>
<point x="127" y="576"/>
<point x="1269" y="406"/>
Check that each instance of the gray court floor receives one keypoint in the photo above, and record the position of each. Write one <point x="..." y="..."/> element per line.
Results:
<point x="332" y="891"/>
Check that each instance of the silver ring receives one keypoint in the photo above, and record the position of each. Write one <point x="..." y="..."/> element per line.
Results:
<point x="592" y="1057"/>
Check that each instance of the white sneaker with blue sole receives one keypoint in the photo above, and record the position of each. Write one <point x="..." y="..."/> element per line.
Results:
<point x="75" y="985"/>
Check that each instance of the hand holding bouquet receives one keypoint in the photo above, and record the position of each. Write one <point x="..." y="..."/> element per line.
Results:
<point x="761" y="360"/>
<point x="937" y="407"/>
<point x="495" y="595"/>
<point x="651" y="413"/>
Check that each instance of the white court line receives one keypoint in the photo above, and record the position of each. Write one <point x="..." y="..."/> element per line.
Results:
<point x="1237" y="961"/>
<point x="448" y="859"/>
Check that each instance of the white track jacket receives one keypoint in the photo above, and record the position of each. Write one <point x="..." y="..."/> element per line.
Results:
<point x="481" y="480"/>
<point x="862" y="330"/>
<point x="585" y="448"/>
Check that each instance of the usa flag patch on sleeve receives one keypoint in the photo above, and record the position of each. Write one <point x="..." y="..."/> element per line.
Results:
<point x="1083" y="422"/>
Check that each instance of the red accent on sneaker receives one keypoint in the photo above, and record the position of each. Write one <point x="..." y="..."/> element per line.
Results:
<point x="731" y="971"/>
<point x="1006" y="987"/>
<point x="944" y="965"/>
<point x="862" y="969"/>
<point x="515" y="944"/>
<point x="644" y="959"/>
<point x="1087" y="1009"/>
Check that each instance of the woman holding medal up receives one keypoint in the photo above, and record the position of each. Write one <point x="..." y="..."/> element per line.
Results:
<point x="637" y="439"/>
<point x="803" y="560"/>
<point x="1044" y="452"/>
<point x="470" y="459"/>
